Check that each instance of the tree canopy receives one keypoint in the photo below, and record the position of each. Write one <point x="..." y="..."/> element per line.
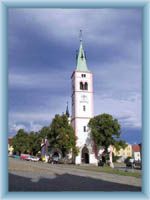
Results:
<point x="105" y="131"/>
<point x="21" y="142"/>
<point x="60" y="135"/>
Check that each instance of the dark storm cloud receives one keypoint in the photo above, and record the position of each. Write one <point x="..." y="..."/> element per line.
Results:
<point x="42" y="48"/>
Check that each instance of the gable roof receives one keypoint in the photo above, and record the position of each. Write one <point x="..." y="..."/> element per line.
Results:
<point x="136" y="148"/>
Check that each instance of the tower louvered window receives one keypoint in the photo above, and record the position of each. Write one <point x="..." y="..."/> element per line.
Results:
<point x="86" y="86"/>
<point x="81" y="86"/>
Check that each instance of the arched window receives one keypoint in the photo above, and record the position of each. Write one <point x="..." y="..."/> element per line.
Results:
<point x="81" y="86"/>
<point x="86" y="86"/>
<point x="84" y="128"/>
<point x="84" y="108"/>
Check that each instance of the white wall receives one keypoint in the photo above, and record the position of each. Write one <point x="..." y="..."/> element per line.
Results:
<point x="80" y="118"/>
<point x="137" y="156"/>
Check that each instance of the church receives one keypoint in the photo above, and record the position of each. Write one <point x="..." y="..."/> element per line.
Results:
<point x="82" y="108"/>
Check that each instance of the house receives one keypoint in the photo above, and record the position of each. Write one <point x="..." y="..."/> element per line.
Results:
<point x="10" y="147"/>
<point x="136" y="152"/>
<point x="123" y="153"/>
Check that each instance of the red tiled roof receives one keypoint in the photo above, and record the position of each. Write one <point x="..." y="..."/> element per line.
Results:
<point x="136" y="148"/>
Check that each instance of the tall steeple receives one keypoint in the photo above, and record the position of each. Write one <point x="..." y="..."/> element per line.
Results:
<point x="81" y="58"/>
<point x="67" y="111"/>
<point x="82" y="109"/>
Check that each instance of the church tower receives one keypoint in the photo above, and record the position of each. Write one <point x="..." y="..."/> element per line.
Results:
<point x="82" y="108"/>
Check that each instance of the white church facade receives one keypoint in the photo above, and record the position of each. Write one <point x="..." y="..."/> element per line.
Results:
<point x="82" y="109"/>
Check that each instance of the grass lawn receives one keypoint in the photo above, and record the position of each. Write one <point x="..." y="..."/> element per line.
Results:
<point x="107" y="169"/>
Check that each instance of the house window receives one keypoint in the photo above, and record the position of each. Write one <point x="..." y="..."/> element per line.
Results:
<point x="84" y="108"/>
<point x="84" y="128"/>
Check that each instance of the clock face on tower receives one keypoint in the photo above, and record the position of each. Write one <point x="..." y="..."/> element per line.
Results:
<point x="84" y="98"/>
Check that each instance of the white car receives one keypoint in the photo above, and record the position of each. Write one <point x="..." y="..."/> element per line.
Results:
<point x="35" y="159"/>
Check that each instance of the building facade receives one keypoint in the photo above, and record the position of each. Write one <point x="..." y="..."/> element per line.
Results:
<point x="10" y="146"/>
<point x="82" y="109"/>
<point x="136" y="152"/>
<point x="123" y="153"/>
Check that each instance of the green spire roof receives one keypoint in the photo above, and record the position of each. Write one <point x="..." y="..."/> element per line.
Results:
<point x="81" y="59"/>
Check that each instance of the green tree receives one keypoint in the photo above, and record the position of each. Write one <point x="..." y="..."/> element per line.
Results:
<point x="105" y="131"/>
<point x="34" y="142"/>
<point x="44" y="132"/>
<point x="120" y="144"/>
<point x="20" y="142"/>
<point x="61" y="135"/>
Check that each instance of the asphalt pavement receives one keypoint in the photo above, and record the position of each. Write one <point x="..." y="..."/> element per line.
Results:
<point x="32" y="176"/>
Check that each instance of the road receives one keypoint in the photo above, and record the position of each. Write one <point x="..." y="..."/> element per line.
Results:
<point x="31" y="176"/>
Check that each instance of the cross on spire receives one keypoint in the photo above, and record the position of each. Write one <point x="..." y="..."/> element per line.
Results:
<point x="80" y="58"/>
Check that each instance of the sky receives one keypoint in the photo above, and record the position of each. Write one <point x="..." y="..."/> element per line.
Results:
<point x="42" y="46"/>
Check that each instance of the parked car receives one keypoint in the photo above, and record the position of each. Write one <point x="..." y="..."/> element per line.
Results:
<point x="134" y="164"/>
<point x="130" y="163"/>
<point x="16" y="156"/>
<point x="137" y="164"/>
<point x="24" y="156"/>
<point x="34" y="159"/>
<point x="55" y="160"/>
<point x="28" y="158"/>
